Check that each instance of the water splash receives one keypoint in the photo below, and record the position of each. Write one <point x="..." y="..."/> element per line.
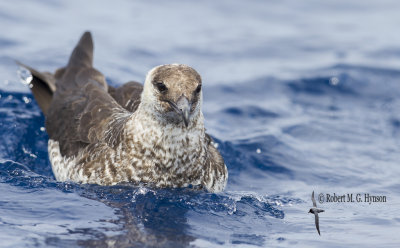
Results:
<point x="25" y="76"/>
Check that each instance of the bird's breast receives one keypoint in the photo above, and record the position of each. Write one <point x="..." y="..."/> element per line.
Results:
<point x="168" y="156"/>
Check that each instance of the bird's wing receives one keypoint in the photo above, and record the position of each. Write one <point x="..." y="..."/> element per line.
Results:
<point x="83" y="116"/>
<point x="127" y="95"/>
<point x="216" y="167"/>
<point x="82" y="112"/>
<point x="317" y="223"/>
<point x="42" y="87"/>
<point x="313" y="200"/>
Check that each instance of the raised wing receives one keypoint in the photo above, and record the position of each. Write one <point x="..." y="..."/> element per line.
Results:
<point x="82" y="112"/>
<point x="313" y="200"/>
<point x="42" y="87"/>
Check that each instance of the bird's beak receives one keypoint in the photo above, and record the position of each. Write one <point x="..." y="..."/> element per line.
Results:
<point x="182" y="107"/>
<point x="185" y="116"/>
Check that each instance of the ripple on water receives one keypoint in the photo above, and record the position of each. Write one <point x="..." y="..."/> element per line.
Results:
<point x="287" y="150"/>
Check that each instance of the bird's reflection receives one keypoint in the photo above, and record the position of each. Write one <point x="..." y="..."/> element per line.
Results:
<point x="147" y="217"/>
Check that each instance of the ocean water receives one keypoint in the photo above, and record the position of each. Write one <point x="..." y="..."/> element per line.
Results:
<point x="300" y="97"/>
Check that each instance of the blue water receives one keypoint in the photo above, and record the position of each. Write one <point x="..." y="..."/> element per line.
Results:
<point x="300" y="97"/>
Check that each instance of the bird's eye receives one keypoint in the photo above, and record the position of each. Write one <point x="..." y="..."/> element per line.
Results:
<point x="161" y="86"/>
<point x="198" y="89"/>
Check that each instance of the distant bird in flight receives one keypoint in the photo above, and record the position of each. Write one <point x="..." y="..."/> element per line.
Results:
<point x="152" y="134"/>
<point x="314" y="210"/>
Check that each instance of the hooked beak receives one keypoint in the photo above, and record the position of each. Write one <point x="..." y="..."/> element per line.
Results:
<point x="185" y="116"/>
<point x="182" y="107"/>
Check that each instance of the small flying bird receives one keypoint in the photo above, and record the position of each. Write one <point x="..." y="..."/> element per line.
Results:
<point x="149" y="134"/>
<point x="314" y="210"/>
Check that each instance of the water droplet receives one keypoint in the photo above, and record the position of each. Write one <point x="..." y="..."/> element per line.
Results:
<point x="334" y="81"/>
<point x="258" y="150"/>
<point x="25" y="75"/>
<point x="216" y="145"/>
<point x="42" y="129"/>
<point x="26" y="99"/>
<point x="26" y="151"/>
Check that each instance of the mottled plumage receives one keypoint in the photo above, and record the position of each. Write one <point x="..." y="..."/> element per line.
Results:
<point x="152" y="134"/>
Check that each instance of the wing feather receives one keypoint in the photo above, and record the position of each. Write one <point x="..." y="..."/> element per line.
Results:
<point x="80" y="108"/>
<point x="317" y="222"/>
<point x="82" y="112"/>
<point x="314" y="203"/>
<point x="216" y="167"/>
<point x="127" y="95"/>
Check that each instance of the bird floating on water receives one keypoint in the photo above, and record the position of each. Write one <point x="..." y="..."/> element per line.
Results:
<point x="314" y="210"/>
<point x="152" y="134"/>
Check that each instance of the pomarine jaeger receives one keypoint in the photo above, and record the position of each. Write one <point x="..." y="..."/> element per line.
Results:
<point x="152" y="134"/>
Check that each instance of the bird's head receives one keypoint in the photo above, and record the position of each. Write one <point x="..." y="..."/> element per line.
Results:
<point x="173" y="92"/>
<point x="311" y="211"/>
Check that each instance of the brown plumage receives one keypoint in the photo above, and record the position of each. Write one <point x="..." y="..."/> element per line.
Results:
<point x="152" y="134"/>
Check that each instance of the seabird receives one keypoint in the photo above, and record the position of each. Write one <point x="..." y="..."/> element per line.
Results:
<point x="314" y="210"/>
<point x="152" y="134"/>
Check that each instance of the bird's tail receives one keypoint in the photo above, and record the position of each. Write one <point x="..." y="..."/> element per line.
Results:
<point x="82" y="55"/>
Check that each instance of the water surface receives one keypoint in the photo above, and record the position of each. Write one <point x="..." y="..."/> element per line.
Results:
<point x="300" y="97"/>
